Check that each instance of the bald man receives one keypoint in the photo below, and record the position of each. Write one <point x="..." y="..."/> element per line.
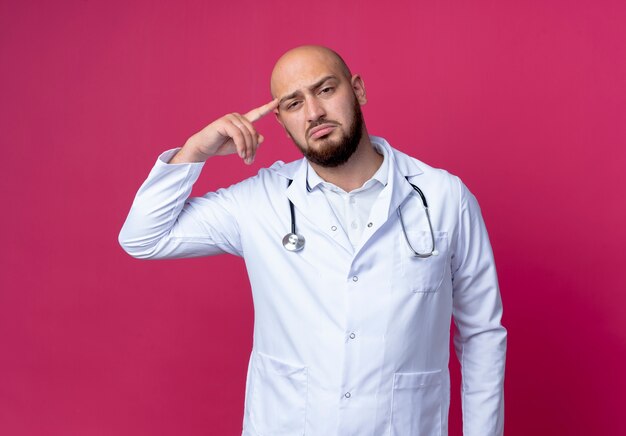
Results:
<point x="358" y="257"/>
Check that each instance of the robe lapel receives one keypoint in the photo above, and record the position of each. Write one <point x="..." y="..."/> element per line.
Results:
<point x="314" y="208"/>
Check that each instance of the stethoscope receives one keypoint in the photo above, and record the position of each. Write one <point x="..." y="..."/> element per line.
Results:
<point x="295" y="242"/>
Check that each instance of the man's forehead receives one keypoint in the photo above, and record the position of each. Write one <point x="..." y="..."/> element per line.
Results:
<point x="301" y="69"/>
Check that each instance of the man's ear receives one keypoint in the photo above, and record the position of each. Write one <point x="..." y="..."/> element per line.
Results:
<point x="277" y="115"/>
<point x="359" y="89"/>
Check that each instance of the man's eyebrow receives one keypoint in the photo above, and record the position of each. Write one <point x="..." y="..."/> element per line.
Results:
<point x="314" y="86"/>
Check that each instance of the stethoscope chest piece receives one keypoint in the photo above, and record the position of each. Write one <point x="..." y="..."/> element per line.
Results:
<point x="293" y="242"/>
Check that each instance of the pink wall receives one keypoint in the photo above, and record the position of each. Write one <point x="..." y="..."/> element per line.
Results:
<point x="525" y="100"/>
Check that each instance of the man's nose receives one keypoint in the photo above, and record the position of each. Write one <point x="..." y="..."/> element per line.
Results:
<point x="314" y="110"/>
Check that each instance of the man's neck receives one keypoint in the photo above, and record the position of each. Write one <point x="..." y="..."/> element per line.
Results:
<point x="361" y="166"/>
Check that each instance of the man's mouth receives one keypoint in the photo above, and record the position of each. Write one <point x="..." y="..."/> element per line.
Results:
<point x="321" y="130"/>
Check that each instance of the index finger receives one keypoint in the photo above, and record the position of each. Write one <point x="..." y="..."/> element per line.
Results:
<point x="259" y="112"/>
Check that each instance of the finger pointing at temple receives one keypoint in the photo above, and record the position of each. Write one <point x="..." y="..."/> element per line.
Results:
<point x="232" y="133"/>
<point x="259" y="112"/>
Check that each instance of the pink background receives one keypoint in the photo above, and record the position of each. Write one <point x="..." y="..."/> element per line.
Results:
<point x="525" y="100"/>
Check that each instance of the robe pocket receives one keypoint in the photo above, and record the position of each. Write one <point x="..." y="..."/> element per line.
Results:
<point x="416" y="404"/>
<point x="424" y="275"/>
<point x="279" y="392"/>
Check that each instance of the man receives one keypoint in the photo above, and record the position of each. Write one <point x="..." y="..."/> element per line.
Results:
<point x="354" y="280"/>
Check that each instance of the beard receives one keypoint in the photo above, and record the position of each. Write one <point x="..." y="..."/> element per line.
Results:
<point x="332" y="153"/>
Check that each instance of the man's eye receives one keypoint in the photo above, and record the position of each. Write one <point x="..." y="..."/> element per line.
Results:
<point x="293" y="104"/>
<point x="326" y="90"/>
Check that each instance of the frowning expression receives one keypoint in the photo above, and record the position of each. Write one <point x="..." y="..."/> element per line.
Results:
<point x="319" y="106"/>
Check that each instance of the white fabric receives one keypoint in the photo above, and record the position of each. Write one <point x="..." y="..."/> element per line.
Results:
<point x="352" y="209"/>
<point x="347" y="341"/>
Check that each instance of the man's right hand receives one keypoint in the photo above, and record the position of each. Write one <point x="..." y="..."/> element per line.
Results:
<point x="232" y="133"/>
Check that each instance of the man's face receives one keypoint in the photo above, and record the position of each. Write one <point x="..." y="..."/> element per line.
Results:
<point x="319" y="107"/>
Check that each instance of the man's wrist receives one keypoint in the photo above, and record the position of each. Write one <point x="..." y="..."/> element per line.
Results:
<point x="188" y="154"/>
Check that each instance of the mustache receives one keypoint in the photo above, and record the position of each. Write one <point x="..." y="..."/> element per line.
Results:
<point x="314" y="124"/>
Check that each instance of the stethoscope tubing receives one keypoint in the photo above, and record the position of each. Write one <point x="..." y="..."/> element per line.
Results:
<point x="433" y="251"/>
<point x="292" y="241"/>
<point x="295" y="242"/>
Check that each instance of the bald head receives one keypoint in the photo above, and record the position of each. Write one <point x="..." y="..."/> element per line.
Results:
<point x="296" y="64"/>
